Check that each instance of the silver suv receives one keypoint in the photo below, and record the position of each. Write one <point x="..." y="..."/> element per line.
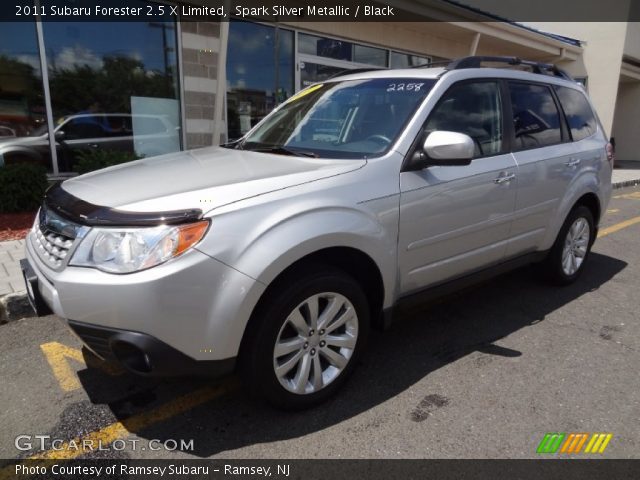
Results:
<point x="277" y="253"/>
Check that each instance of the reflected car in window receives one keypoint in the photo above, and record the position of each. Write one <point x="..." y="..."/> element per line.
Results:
<point x="144" y="135"/>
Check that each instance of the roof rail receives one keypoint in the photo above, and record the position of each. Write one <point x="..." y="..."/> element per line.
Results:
<point x="536" y="67"/>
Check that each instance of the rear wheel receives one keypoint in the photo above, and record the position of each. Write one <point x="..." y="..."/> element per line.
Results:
<point x="571" y="249"/>
<point x="303" y="343"/>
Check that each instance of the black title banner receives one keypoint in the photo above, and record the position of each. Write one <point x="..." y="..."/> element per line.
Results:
<point x="320" y="10"/>
<point x="322" y="469"/>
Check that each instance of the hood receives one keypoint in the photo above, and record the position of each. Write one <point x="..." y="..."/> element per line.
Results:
<point x="19" y="141"/>
<point x="206" y="179"/>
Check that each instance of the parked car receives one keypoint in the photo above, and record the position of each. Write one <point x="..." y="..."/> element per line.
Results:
<point x="276" y="254"/>
<point x="6" y="131"/>
<point x="155" y="135"/>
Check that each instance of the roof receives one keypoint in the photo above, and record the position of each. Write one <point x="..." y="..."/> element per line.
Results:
<point x="568" y="40"/>
<point x="434" y="73"/>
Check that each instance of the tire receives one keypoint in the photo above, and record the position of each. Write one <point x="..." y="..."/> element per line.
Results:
<point x="570" y="251"/>
<point x="284" y="318"/>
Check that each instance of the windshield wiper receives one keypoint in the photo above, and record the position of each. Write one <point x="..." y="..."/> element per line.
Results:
<point x="284" y="151"/>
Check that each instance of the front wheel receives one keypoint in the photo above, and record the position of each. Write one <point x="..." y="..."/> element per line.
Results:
<point x="571" y="249"/>
<point x="304" y="342"/>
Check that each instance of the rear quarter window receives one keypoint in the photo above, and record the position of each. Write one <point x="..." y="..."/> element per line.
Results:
<point x="580" y="118"/>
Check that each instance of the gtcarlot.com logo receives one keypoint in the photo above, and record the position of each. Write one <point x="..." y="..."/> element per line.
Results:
<point x="574" y="443"/>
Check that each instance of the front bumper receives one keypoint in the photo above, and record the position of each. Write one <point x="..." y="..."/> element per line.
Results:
<point x="193" y="304"/>
<point x="145" y="355"/>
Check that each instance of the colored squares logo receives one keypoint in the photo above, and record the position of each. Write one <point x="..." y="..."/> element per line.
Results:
<point x="574" y="443"/>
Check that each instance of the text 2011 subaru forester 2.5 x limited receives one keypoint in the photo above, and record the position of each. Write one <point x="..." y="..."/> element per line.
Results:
<point x="277" y="253"/>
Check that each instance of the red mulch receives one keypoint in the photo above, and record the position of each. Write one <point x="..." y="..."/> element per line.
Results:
<point x="14" y="226"/>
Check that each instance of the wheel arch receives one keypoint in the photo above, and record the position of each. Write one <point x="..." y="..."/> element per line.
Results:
<point x="592" y="202"/>
<point x="352" y="261"/>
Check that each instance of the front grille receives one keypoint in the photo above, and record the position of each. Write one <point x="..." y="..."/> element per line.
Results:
<point x="52" y="248"/>
<point x="54" y="238"/>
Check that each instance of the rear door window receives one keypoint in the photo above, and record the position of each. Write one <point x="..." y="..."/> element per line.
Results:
<point x="536" y="119"/>
<point x="580" y="117"/>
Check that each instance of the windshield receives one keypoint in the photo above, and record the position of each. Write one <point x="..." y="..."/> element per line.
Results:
<point x="348" y="119"/>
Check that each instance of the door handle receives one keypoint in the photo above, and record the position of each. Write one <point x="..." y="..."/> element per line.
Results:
<point x="504" y="178"/>
<point x="573" y="162"/>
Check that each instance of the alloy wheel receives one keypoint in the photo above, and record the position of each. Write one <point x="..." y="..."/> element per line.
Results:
<point x="576" y="245"/>
<point x="315" y="343"/>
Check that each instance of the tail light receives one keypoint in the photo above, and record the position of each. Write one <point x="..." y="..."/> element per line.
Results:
<point x="610" y="153"/>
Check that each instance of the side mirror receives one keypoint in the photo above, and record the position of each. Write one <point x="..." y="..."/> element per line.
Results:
<point x="59" y="135"/>
<point x="449" y="148"/>
<point x="442" y="148"/>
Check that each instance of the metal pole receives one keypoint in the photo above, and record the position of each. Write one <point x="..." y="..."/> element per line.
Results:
<point x="47" y="93"/>
<point x="180" y="79"/>
<point x="221" y="84"/>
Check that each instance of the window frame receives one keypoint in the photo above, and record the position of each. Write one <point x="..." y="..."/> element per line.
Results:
<point x="565" y="136"/>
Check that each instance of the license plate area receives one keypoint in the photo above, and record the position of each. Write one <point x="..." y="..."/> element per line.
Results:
<point x="33" y="292"/>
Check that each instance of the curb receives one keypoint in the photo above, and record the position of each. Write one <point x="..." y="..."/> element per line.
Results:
<point x="14" y="306"/>
<point x="626" y="183"/>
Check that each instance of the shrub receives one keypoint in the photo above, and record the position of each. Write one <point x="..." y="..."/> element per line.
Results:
<point x="22" y="187"/>
<point x="90" y="160"/>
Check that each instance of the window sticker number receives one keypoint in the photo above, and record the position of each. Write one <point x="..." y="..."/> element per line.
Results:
<point x="401" y="87"/>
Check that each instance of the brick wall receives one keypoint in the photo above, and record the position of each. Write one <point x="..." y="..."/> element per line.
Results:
<point x="200" y="48"/>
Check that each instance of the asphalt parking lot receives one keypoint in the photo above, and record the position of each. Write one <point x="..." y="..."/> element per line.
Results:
<point x="484" y="374"/>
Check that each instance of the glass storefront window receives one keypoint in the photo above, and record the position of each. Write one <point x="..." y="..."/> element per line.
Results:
<point x="341" y="50"/>
<point x="260" y="68"/>
<point x="325" y="47"/>
<point x="404" y="60"/>
<point x="114" y="89"/>
<point x="259" y="73"/>
<point x="311" y="73"/>
<point x="23" y="126"/>
<point x="370" y="55"/>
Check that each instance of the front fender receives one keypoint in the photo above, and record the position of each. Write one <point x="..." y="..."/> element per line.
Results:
<point x="267" y="240"/>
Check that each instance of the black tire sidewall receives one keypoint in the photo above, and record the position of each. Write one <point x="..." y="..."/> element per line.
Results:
<point x="554" y="263"/>
<point x="257" y="355"/>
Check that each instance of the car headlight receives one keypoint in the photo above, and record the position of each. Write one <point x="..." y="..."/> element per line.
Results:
<point x="127" y="250"/>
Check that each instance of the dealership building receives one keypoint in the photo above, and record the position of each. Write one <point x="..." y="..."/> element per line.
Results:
<point x="143" y="88"/>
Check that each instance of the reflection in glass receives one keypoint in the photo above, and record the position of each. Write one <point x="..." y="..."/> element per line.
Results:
<point x="580" y="117"/>
<point x="311" y="73"/>
<point x="259" y="73"/>
<point x="405" y="60"/>
<point x="535" y="116"/>
<point x="341" y="50"/>
<point x="114" y="88"/>
<point x="23" y="129"/>
<point x="473" y="109"/>
<point x="370" y="55"/>
<point x="348" y="119"/>
<point x="325" y="47"/>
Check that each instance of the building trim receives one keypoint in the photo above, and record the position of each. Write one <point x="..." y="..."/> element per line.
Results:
<point x="630" y="71"/>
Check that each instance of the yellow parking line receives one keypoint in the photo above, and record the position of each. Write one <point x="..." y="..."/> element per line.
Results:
<point x="117" y="430"/>
<point x="107" y="435"/>
<point x="618" y="226"/>
<point x="57" y="355"/>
